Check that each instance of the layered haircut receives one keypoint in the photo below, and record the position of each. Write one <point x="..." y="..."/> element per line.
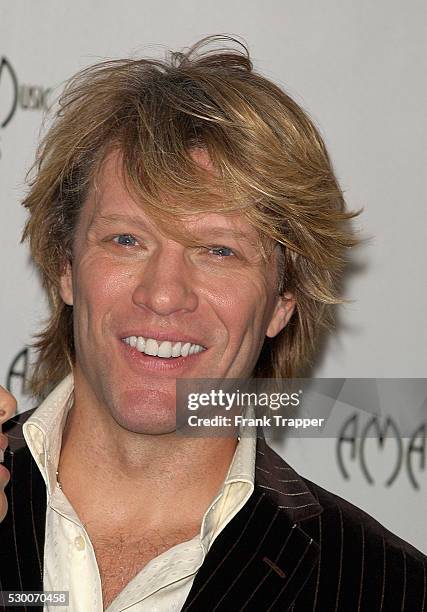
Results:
<point x="269" y="164"/>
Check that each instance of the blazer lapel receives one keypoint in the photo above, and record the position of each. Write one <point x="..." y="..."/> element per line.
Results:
<point x="263" y="557"/>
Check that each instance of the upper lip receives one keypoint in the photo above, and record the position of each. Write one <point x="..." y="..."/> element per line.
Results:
<point x="173" y="336"/>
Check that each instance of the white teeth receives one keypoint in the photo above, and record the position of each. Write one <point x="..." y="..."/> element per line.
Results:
<point x="140" y="344"/>
<point x="165" y="349"/>
<point x="151" y="347"/>
<point x="185" y="348"/>
<point x="176" y="350"/>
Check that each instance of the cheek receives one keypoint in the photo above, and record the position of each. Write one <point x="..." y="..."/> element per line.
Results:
<point x="242" y="309"/>
<point x="100" y="286"/>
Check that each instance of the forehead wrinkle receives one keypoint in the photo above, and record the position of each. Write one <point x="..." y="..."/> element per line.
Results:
<point x="103" y="219"/>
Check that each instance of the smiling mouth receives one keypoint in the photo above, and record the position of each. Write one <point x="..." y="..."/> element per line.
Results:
<point x="165" y="349"/>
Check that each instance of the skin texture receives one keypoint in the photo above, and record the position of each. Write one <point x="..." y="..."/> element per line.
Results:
<point x="7" y="410"/>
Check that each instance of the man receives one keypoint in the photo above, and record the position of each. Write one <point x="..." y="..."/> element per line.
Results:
<point x="187" y="224"/>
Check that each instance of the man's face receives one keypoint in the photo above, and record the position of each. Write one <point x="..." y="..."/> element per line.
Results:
<point x="129" y="283"/>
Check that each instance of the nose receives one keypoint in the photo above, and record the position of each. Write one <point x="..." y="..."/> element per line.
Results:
<point x="166" y="284"/>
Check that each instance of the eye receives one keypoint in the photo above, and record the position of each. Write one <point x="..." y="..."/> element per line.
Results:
<point x="221" y="251"/>
<point x="125" y="240"/>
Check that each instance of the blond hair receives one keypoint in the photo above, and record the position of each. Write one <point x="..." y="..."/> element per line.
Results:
<point x="270" y="164"/>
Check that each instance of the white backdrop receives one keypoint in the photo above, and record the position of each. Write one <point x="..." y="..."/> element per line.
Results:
<point x="359" y="70"/>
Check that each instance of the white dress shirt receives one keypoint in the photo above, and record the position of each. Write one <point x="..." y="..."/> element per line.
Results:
<point x="69" y="558"/>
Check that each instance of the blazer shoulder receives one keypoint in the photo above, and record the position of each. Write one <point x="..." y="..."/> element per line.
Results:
<point x="340" y="512"/>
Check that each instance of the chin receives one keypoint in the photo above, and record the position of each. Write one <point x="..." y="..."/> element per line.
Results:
<point x="146" y="413"/>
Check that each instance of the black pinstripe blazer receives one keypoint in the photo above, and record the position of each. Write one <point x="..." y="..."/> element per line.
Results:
<point x="293" y="546"/>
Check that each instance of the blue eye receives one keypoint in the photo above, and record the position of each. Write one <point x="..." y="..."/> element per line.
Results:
<point x="125" y="240"/>
<point x="222" y="251"/>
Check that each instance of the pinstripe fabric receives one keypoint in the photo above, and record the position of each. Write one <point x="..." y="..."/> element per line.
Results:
<point x="293" y="547"/>
<point x="22" y="531"/>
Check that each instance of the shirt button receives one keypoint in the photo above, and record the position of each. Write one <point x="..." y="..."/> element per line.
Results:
<point x="79" y="543"/>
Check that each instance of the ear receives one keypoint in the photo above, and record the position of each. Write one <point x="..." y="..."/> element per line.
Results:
<point x="283" y="311"/>
<point x="66" y="284"/>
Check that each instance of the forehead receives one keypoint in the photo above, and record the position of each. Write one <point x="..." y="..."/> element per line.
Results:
<point x="111" y="199"/>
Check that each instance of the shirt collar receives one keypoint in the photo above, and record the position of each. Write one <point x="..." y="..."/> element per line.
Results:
<point x="43" y="430"/>
<point x="238" y="486"/>
<point x="43" y="434"/>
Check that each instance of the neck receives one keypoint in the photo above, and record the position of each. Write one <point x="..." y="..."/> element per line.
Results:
<point x="138" y="477"/>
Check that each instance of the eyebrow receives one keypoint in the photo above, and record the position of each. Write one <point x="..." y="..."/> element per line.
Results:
<point x="104" y="219"/>
<point x="224" y="231"/>
<point x="217" y="231"/>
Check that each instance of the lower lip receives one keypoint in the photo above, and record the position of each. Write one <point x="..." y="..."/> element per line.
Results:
<point x="172" y="364"/>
